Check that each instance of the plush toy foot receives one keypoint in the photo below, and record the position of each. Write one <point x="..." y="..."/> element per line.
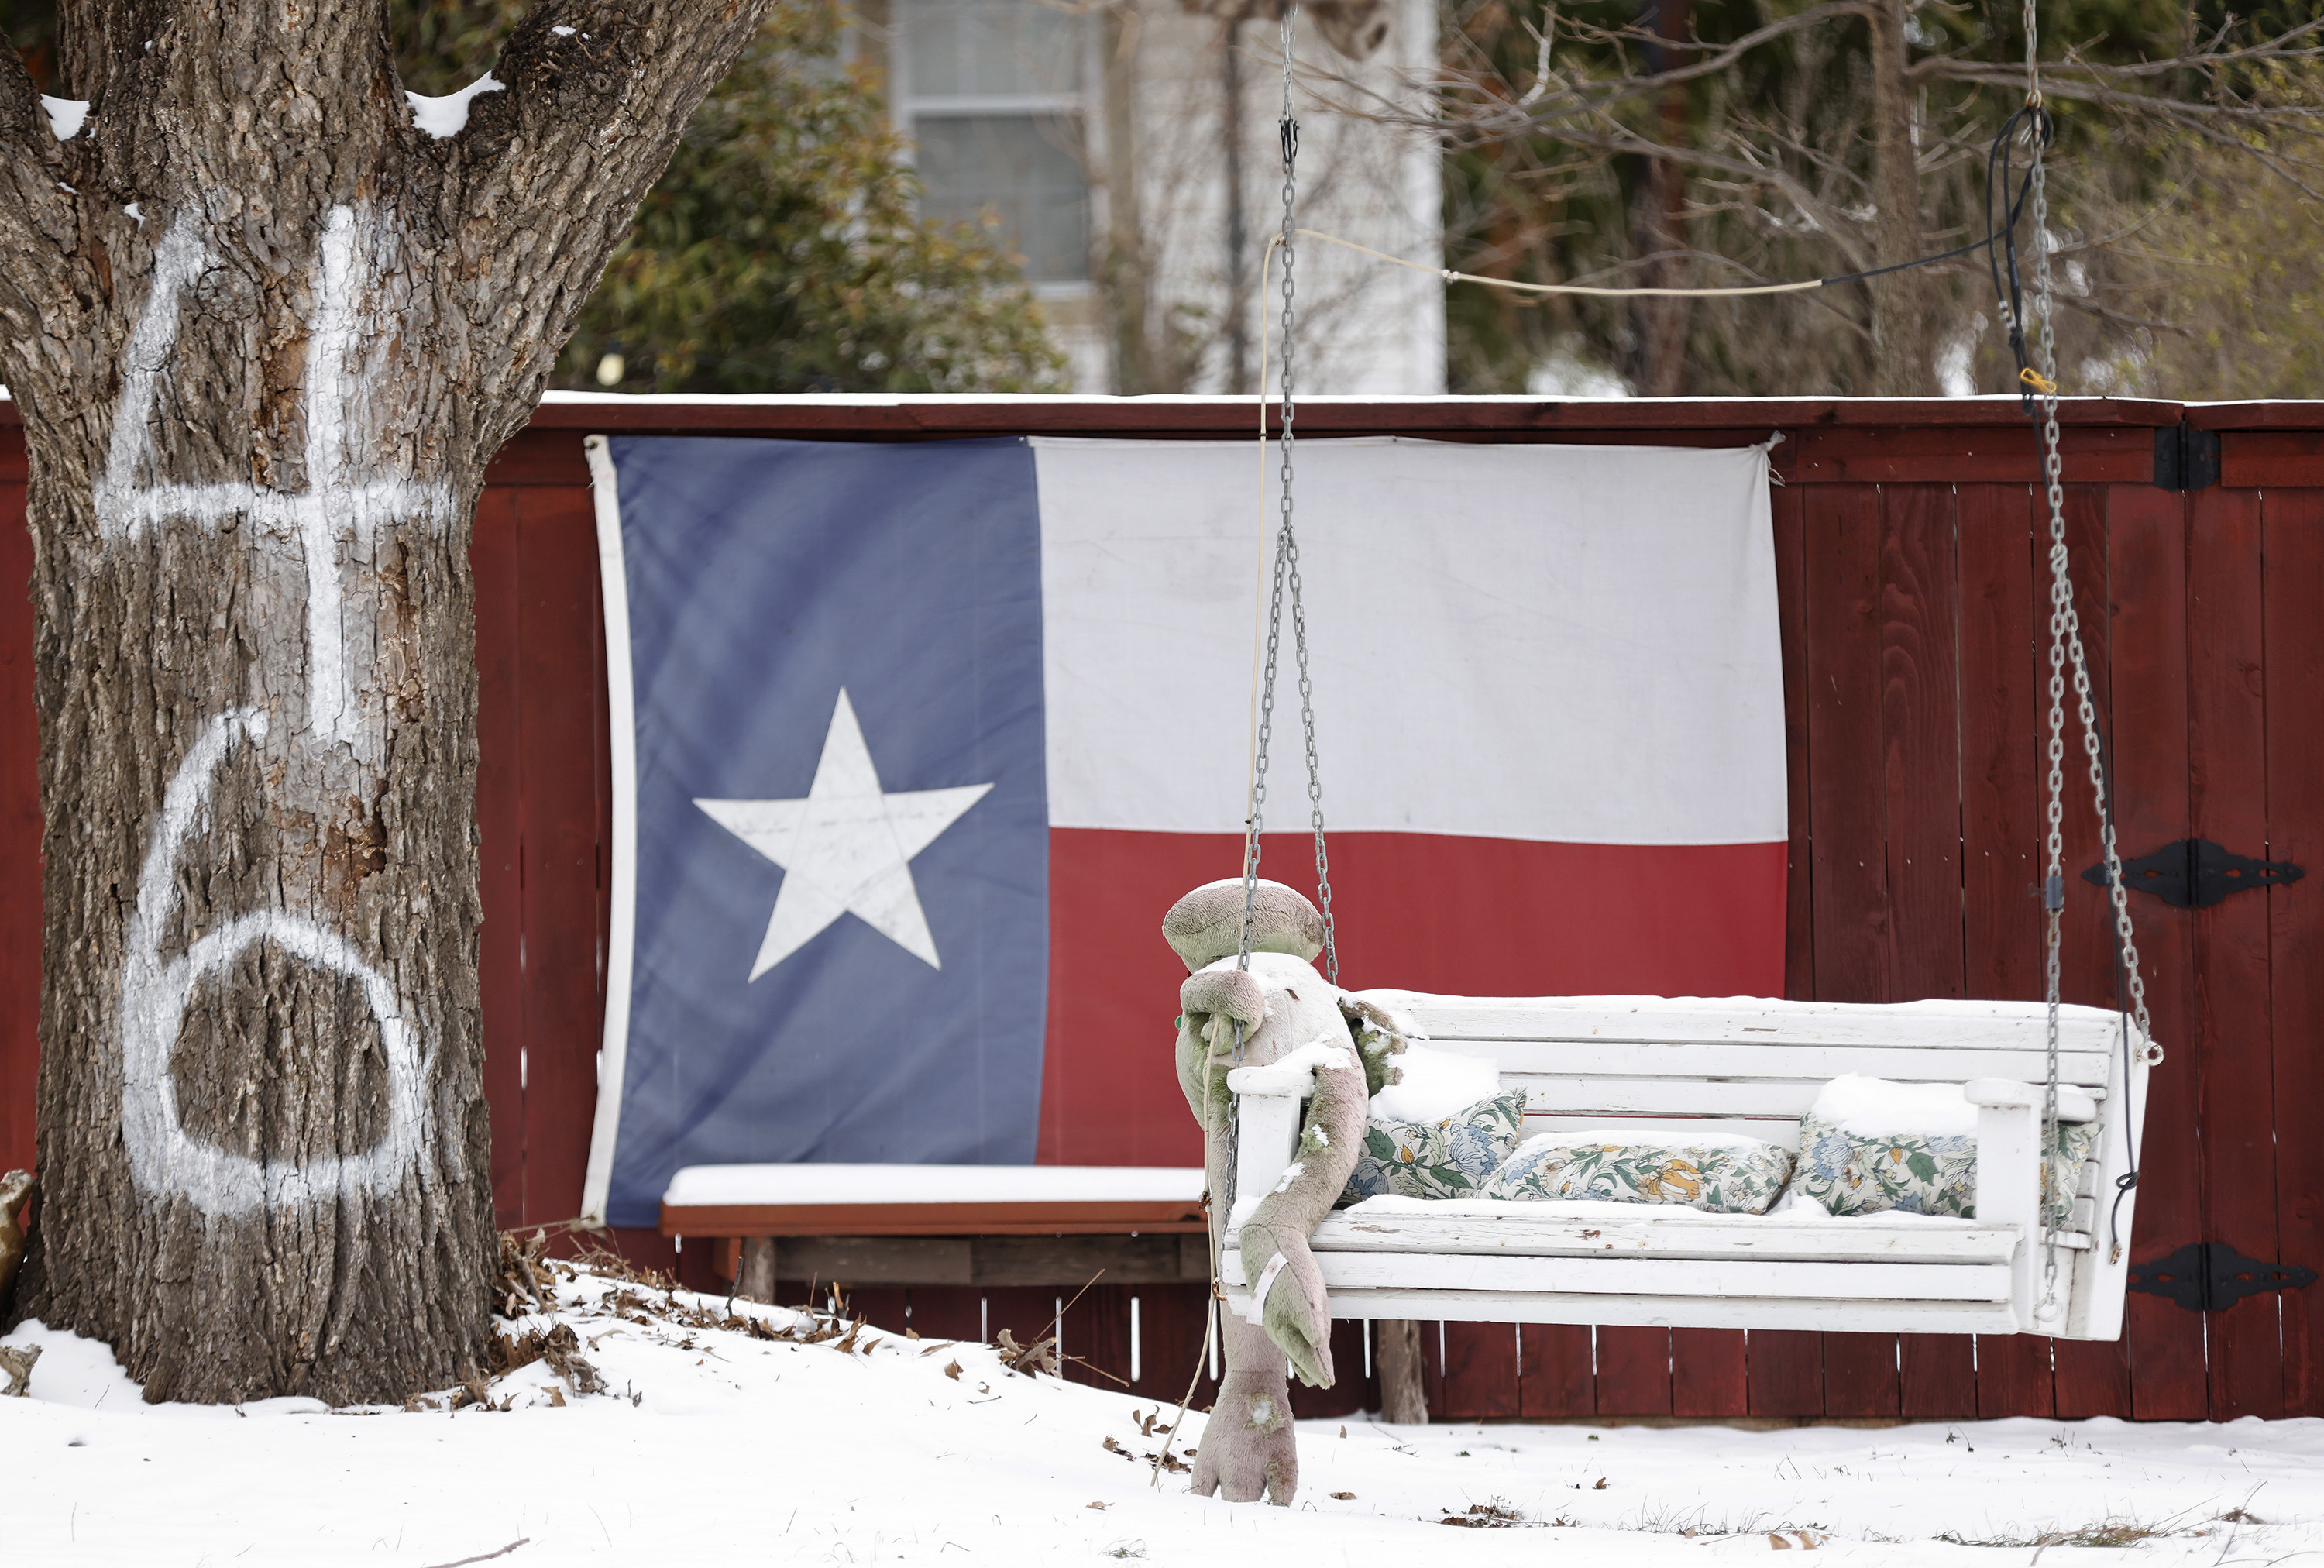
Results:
<point x="1249" y="1447"/>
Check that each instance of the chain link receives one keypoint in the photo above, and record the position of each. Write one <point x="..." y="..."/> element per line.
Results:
<point x="2032" y="65"/>
<point x="1288" y="579"/>
<point x="2066" y="653"/>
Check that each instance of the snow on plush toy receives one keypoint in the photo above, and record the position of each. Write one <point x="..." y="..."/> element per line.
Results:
<point x="1284" y="1007"/>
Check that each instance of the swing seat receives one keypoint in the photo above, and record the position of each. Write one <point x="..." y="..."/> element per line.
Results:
<point x="1671" y="1067"/>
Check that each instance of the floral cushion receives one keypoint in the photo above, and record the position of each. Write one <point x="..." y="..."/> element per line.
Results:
<point x="1849" y="1173"/>
<point x="1450" y="1158"/>
<point x="1741" y="1176"/>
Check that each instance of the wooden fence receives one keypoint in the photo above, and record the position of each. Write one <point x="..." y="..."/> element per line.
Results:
<point x="1911" y="545"/>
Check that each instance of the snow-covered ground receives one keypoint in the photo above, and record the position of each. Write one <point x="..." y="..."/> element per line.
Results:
<point x="715" y="1444"/>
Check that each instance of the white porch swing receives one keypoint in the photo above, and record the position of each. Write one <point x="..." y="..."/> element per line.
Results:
<point x="1677" y="1066"/>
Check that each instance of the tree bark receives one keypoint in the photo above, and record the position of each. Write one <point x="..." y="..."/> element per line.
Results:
<point x="1402" y="1377"/>
<point x="266" y="333"/>
<point x="754" y="1272"/>
<point x="1908" y="325"/>
<point x="1664" y="319"/>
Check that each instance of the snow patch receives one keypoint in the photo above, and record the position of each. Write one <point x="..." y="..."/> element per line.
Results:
<point x="723" y="1184"/>
<point x="66" y="116"/>
<point x="1278" y="968"/>
<point x="563" y="31"/>
<point x="879" y="1451"/>
<point x="76" y="1371"/>
<point x="1631" y="1137"/>
<point x="1809" y="1212"/>
<point x="1290" y="1073"/>
<point x="1876" y="1108"/>
<point x="448" y="115"/>
<point x="1436" y="1084"/>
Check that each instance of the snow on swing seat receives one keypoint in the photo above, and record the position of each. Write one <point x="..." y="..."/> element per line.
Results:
<point x="1673" y="1068"/>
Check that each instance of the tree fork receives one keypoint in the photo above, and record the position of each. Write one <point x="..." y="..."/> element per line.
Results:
<point x="266" y="334"/>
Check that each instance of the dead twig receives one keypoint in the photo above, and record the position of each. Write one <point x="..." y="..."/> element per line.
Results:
<point x="486" y="1557"/>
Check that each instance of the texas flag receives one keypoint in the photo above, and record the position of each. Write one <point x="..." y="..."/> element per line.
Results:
<point x="916" y="742"/>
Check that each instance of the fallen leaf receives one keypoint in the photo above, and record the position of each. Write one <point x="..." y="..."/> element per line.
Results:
<point x="952" y="1370"/>
<point x="1100" y="1505"/>
<point x="1601" y="1486"/>
<point x="1345" y="1497"/>
<point x="1777" y="1542"/>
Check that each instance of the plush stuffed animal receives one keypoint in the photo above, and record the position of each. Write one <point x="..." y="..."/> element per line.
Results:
<point x="1286" y="1010"/>
<point x="16" y="1198"/>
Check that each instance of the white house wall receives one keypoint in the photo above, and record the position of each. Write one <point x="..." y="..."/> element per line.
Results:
<point x="1364" y="326"/>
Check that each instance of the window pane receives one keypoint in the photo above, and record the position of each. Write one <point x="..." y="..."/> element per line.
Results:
<point x="1023" y="168"/>
<point x="991" y="48"/>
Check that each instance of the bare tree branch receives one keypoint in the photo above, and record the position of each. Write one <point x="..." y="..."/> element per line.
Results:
<point x="546" y="176"/>
<point x="38" y="217"/>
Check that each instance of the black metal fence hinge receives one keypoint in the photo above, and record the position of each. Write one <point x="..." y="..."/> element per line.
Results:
<point x="2196" y="873"/>
<point x="2186" y="458"/>
<point x="2211" y="1277"/>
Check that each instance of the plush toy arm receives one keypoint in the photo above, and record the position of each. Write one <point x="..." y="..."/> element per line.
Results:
<point x="1380" y="1038"/>
<point x="1296" y="1311"/>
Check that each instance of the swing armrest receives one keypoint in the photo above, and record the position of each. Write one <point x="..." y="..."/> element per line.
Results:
<point x="2009" y="1173"/>
<point x="2004" y="1093"/>
<point x="1267" y="1129"/>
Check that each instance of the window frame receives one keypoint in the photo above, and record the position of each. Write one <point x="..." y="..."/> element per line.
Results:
<point x="907" y="107"/>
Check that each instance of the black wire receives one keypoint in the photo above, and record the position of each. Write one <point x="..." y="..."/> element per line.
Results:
<point x="2010" y="297"/>
<point x="2000" y="239"/>
<point x="2123" y="1183"/>
<point x="2005" y="231"/>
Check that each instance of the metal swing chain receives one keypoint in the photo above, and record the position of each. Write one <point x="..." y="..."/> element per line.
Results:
<point x="1287" y="577"/>
<point x="2065" y="650"/>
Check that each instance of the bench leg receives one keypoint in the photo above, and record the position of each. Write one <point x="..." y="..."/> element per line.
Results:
<point x="755" y="1279"/>
<point x="1404" y="1386"/>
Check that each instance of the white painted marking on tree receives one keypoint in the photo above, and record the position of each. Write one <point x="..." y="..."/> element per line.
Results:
<point x="339" y="501"/>
<point x="165" y="1160"/>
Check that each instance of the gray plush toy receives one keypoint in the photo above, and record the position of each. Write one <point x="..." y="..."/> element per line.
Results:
<point x="1283" y="1005"/>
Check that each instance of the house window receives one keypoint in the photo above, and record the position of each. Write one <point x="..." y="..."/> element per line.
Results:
<point x="991" y="91"/>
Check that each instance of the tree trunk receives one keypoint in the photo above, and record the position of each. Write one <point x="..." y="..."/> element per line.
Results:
<point x="1402" y="1378"/>
<point x="1907" y="322"/>
<point x="266" y="334"/>
<point x="1664" y="319"/>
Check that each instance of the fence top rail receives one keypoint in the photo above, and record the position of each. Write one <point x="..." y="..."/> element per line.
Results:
<point x="1336" y="413"/>
<point x="1323" y="414"/>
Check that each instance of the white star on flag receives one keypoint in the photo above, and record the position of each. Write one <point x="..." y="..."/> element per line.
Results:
<point x="847" y="848"/>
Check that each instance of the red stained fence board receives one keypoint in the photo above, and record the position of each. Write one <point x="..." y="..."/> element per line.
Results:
<point x="2293" y="658"/>
<point x="1481" y="1371"/>
<point x="2228" y="724"/>
<point x="1557" y="1377"/>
